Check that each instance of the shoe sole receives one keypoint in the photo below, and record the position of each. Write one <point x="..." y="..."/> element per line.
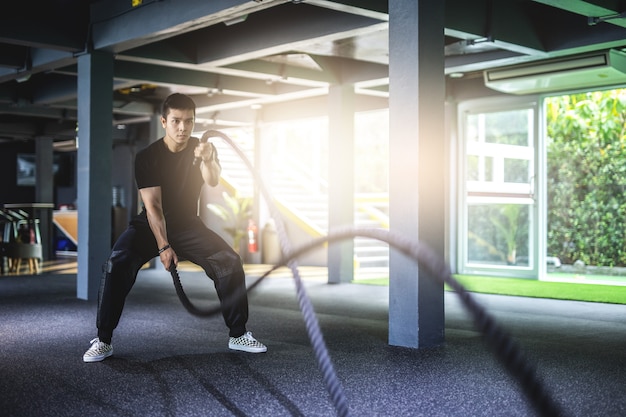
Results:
<point x="247" y="349"/>
<point x="100" y="358"/>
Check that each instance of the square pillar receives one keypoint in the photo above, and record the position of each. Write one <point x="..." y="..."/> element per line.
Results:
<point x="341" y="179"/>
<point x="95" y="148"/>
<point x="417" y="166"/>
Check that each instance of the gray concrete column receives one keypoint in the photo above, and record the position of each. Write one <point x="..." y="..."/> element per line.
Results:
<point x="263" y="151"/>
<point x="257" y="198"/>
<point x="155" y="128"/>
<point x="417" y="168"/>
<point x="156" y="132"/>
<point x="341" y="179"/>
<point x="95" y="140"/>
<point x="44" y="192"/>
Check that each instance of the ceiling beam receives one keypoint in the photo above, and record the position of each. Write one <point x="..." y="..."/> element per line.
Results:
<point x="376" y="9"/>
<point x="119" y="26"/>
<point x="158" y="74"/>
<point x="506" y="23"/>
<point x="585" y="7"/>
<point x="40" y="60"/>
<point x="314" y="106"/>
<point x="30" y="110"/>
<point x="350" y="71"/>
<point x="52" y="88"/>
<point x="275" y="71"/>
<point x="285" y="28"/>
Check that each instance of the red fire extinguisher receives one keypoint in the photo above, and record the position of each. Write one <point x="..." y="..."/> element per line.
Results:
<point x="253" y="245"/>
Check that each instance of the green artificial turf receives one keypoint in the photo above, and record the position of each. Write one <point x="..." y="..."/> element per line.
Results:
<point x="599" y="293"/>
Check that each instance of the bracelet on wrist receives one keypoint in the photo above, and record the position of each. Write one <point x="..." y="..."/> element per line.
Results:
<point x="164" y="248"/>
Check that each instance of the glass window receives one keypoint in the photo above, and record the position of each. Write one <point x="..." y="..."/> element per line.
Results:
<point x="498" y="210"/>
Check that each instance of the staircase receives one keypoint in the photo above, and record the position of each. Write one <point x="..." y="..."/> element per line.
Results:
<point x="305" y="198"/>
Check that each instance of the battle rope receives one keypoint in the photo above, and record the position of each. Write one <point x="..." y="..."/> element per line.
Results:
<point x="189" y="306"/>
<point x="501" y="343"/>
<point x="333" y="384"/>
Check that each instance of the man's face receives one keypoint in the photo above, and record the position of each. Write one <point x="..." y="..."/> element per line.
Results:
<point x="178" y="125"/>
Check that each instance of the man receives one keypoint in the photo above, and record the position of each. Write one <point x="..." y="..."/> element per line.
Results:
<point x="169" y="174"/>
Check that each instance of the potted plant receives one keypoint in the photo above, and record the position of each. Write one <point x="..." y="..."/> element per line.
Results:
<point x="235" y="213"/>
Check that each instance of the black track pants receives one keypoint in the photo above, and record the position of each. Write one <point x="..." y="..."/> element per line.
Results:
<point x="193" y="242"/>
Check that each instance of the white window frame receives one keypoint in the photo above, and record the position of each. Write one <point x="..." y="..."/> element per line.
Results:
<point x="533" y="194"/>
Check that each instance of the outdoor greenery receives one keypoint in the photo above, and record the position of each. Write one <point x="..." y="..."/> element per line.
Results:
<point x="498" y="233"/>
<point x="598" y="293"/>
<point x="587" y="177"/>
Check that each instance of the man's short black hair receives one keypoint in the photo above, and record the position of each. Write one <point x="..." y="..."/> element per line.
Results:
<point x="177" y="101"/>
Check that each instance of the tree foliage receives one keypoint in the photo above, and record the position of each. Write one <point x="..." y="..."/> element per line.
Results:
<point x="587" y="177"/>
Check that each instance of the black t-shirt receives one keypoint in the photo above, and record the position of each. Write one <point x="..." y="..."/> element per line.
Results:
<point x="174" y="172"/>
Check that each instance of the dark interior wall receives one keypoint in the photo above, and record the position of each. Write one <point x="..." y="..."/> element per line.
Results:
<point x="10" y="192"/>
<point x="64" y="180"/>
<point x="65" y="162"/>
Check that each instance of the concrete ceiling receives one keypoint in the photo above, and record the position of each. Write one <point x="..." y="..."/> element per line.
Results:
<point x="233" y="56"/>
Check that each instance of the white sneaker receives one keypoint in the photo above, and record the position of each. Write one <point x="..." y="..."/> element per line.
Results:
<point x="246" y="343"/>
<point x="98" y="351"/>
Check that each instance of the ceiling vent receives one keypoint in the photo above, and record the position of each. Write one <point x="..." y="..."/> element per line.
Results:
<point x="585" y="71"/>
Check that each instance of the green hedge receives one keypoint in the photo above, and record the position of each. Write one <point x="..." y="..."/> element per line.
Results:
<point x="587" y="177"/>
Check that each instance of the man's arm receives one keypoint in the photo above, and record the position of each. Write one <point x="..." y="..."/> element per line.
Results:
<point x="210" y="165"/>
<point x="151" y="197"/>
